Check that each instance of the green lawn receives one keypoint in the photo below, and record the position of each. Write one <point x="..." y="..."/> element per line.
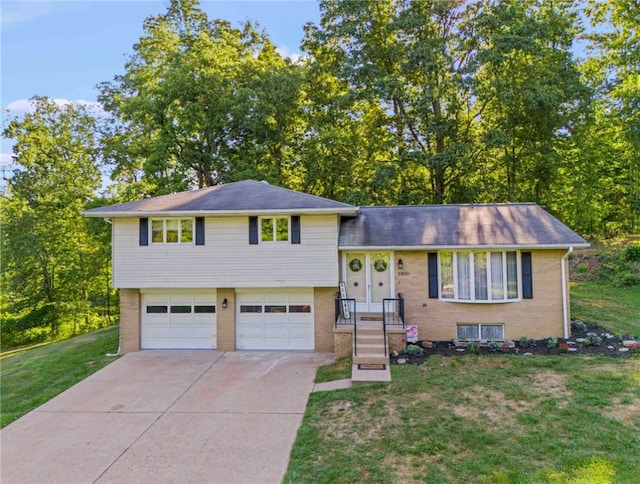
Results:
<point x="615" y="308"/>
<point x="30" y="378"/>
<point x="478" y="419"/>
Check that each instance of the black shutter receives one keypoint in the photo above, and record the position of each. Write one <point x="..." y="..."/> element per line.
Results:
<point x="144" y="231"/>
<point x="527" y="276"/>
<point x="253" y="230"/>
<point x="433" y="275"/>
<point x="199" y="230"/>
<point x="295" y="229"/>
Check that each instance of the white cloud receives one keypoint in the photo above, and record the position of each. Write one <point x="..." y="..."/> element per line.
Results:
<point x="285" y="52"/>
<point x="6" y="159"/>
<point x="24" y="106"/>
<point x="18" y="12"/>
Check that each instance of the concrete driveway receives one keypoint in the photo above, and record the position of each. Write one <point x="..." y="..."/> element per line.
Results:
<point x="167" y="416"/>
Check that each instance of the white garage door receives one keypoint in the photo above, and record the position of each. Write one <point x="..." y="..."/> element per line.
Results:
<point x="275" y="320"/>
<point x="179" y="320"/>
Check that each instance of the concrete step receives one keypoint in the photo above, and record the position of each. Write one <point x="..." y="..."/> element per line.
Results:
<point x="368" y="332"/>
<point x="370" y="338"/>
<point x="371" y="359"/>
<point x="370" y="349"/>
<point x="369" y="376"/>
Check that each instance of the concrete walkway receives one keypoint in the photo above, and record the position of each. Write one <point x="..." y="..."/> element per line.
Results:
<point x="167" y="416"/>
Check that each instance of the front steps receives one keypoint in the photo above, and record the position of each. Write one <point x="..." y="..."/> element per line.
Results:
<point x="370" y="348"/>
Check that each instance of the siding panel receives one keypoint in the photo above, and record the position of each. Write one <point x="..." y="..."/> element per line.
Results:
<point x="227" y="259"/>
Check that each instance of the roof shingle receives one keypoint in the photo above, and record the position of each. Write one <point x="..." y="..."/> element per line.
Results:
<point x="241" y="196"/>
<point x="456" y="225"/>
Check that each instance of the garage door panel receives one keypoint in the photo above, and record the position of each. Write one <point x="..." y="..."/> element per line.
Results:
<point x="179" y="321"/>
<point x="275" y="320"/>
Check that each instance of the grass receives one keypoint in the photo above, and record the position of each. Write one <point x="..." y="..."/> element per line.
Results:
<point x="338" y="370"/>
<point x="478" y="419"/>
<point x="32" y="377"/>
<point x="615" y="308"/>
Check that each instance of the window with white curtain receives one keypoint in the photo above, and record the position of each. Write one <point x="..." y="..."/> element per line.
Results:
<point x="478" y="276"/>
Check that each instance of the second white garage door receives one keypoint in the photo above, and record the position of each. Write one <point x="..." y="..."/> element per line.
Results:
<point x="275" y="319"/>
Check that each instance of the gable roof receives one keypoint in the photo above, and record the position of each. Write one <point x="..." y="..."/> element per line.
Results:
<point x="227" y="199"/>
<point x="443" y="226"/>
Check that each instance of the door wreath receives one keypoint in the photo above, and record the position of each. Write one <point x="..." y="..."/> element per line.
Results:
<point x="380" y="265"/>
<point x="355" y="265"/>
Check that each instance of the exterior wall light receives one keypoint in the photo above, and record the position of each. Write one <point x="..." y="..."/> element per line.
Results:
<point x="224" y="303"/>
<point x="400" y="264"/>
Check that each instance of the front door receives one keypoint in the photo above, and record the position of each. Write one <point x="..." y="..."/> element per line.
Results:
<point x="369" y="280"/>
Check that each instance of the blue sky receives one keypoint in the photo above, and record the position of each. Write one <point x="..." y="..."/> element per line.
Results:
<point x="63" y="49"/>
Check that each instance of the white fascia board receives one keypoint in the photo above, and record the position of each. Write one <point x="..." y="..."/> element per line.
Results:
<point x="462" y="247"/>
<point x="220" y="213"/>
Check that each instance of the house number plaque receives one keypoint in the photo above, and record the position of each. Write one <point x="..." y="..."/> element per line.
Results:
<point x="403" y="273"/>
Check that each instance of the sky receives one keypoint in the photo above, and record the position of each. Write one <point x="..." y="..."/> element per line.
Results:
<point x="64" y="48"/>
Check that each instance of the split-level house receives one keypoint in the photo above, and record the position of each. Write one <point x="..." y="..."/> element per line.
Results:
<point x="248" y="265"/>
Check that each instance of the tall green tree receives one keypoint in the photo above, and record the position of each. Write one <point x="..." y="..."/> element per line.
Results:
<point x="49" y="261"/>
<point x="409" y="61"/>
<point x="533" y="90"/>
<point x="201" y="103"/>
<point x="614" y="71"/>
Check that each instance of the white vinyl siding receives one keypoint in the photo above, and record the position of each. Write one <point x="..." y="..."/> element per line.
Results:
<point x="227" y="259"/>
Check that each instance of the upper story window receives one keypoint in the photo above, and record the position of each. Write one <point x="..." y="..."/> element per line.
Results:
<point x="274" y="229"/>
<point x="172" y="231"/>
<point x="478" y="276"/>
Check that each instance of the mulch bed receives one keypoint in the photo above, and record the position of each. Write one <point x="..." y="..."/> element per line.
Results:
<point x="581" y="342"/>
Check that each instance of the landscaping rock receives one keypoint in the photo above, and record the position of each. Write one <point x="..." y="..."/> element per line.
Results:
<point x="627" y="343"/>
<point x="401" y="361"/>
<point x="611" y="347"/>
<point x="394" y="353"/>
<point x="580" y="340"/>
<point x="572" y="349"/>
<point x="427" y="344"/>
<point x="623" y="349"/>
<point x="527" y="354"/>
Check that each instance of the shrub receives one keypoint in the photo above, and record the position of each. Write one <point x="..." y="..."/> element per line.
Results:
<point x="524" y="342"/>
<point x="552" y="343"/>
<point x="472" y="346"/>
<point x="632" y="253"/>
<point x="592" y="340"/>
<point x="415" y="350"/>
<point x="578" y="325"/>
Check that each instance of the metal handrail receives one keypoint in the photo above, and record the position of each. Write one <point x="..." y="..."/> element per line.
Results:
<point x="389" y="317"/>
<point x="345" y="312"/>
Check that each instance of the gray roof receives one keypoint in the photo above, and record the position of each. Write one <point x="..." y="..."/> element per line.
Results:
<point x="517" y="224"/>
<point x="238" y="197"/>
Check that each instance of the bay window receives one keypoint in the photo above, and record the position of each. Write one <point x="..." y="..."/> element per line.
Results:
<point x="478" y="276"/>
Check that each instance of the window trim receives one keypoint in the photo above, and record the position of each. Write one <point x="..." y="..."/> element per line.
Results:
<point x="479" y="327"/>
<point x="274" y="240"/>
<point x="164" y="230"/>
<point x="472" y="291"/>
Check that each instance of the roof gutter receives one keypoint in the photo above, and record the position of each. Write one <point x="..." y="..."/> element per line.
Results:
<point x="565" y="292"/>
<point x="218" y="213"/>
<point x="462" y="247"/>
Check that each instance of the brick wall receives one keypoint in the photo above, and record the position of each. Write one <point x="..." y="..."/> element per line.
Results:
<point x="342" y="343"/>
<point x="397" y="340"/>
<point x="323" y="318"/>
<point x="226" y="320"/>
<point x="537" y="318"/>
<point x="130" y="301"/>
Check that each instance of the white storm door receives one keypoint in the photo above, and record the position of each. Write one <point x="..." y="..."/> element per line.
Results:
<point x="369" y="279"/>
<point x="356" y="271"/>
<point x="379" y="279"/>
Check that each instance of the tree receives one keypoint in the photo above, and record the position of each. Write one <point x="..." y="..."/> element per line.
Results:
<point x="410" y="62"/>
<point x="201" y="103"/>
<point x="614" y="71"/>
<point x="533" y="91"/>
<point x="48" y="262"/>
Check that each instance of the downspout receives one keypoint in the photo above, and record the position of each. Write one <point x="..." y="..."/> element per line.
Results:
<point x="110" y="222"/>
<point x="565" y="291"/>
